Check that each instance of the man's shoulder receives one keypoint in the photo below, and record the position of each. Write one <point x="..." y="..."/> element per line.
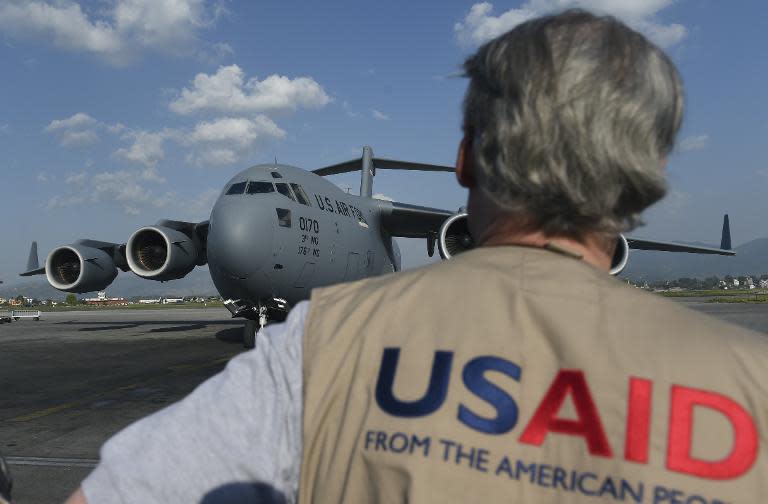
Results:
<point x="413" y="277"/>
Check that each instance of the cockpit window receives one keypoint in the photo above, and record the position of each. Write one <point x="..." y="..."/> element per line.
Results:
<point x="283" y="189"/>
<point x="301" y="196"/>
<point x="237" y="188"/>
<point x="260" y="187"/>
<point x="275" y="174"/>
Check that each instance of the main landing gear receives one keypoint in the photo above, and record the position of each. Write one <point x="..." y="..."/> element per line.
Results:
<point x="257" y="317"/>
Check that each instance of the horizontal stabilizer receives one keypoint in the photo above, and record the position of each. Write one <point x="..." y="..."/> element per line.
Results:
<point x="381" y="164"/>
<point x="33" y="264"/>
<point x="38" y="271"/>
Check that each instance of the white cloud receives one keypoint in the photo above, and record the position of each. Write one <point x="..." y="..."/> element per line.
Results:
<point x="60" y="201"/>
<point x="77" y="179"/>
<point x="480" y="25"/>
<point x="216" y="53"/>
<point x="224" y="140"/>
<point x="693" y="143"/>
<point x="227" y="91"/>
<point x="215" y="156"/>
<point x="199" y="208"/>
<point x="78" y="120"/>
<point x="147" y="148"/>
<point x="227" y="140"/>
<point x="132" y="190"/>
<point x="118" y="33"/>
<point x="45" y="177"/>
<point x="116" y="128"/>
<point x="382" y="197"/>
<point x="237" y="131"/>
<point x="380" y="116"/>
<point x="150" y="174"/>
<point x="4" y="129"/>
<point x="78" y="129"/>
<point x="122" y="186"/>
<point x="88" y="137"/>
<point x="348" y="109"/>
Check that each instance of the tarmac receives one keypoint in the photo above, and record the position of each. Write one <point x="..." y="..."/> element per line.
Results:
<point x="72" y="380"/>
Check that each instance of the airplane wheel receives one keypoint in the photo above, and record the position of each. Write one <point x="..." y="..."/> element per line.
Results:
<point x="249" y="333"/>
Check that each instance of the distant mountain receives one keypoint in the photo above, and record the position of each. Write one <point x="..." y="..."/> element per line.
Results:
<point x="751" y="259"/>
<point x="197" y="282"/>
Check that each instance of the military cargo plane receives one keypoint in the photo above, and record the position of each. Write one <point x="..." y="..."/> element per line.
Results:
<point x="275" y="233"/>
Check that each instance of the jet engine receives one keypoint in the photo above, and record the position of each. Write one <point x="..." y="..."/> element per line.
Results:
<point x="454" y="237"/>
<point x="161" y="253"/>
<point x="620" y="256"/>
<point x="77" y="268"/>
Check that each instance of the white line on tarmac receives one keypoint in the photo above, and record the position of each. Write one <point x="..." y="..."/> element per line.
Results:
<point x="51" y="461"/>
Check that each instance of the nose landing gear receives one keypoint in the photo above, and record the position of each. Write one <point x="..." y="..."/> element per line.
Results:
<point x="257" y="317"/>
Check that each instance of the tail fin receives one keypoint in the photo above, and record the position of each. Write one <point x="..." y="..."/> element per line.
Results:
<point x="368" y="165"/>
<point x="725" y="240"/>
<point x="33" y="265"/>
<point x="32" y="262"/>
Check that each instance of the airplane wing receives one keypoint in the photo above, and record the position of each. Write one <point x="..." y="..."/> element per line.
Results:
<point x="411" y="221"/>
<point x="87" y="265"/>
<point x="115" y="250"/>
<point x="640" y="244"/>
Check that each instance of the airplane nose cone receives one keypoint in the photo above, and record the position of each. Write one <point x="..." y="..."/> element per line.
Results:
<point x="239" y="237"/>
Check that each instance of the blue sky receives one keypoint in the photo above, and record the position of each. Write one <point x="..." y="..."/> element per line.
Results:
<point x="117" y="113"/>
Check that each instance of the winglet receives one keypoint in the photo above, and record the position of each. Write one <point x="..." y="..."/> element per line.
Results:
<point x="33" y="264"/>
<point x="725" y="240"/>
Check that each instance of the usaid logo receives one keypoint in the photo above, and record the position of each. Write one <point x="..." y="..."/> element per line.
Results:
<point x="588" y="424"/>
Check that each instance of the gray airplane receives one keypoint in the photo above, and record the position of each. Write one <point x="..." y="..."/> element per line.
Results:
<point x="275" y="233"/>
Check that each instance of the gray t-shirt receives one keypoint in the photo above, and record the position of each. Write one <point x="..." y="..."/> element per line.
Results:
<point x="237" y="437"/>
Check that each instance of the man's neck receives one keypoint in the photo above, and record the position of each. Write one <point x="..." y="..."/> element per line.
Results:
<point x="593" y="248"/>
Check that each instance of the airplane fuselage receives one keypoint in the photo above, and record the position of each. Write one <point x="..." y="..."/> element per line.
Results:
<point x="278" y="231"/>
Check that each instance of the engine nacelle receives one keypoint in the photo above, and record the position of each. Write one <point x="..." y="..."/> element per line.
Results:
<point x="161" y="253"/>
<point x="454" y="237"/>
<point x="620" y="256"/>
<point x="77" y="268"/>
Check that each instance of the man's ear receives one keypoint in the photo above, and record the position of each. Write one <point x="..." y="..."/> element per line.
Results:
<point x="464" y="166"/>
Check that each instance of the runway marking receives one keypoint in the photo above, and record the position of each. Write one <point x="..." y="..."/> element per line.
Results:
<point x="52" y="461"/>
<point x="45" y="412"/>
<point x="61" y="407"/>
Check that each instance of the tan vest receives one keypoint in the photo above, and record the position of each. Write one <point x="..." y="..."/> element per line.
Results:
<point x="521" y="375"/>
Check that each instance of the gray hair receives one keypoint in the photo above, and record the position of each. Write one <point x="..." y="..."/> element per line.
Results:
<point x="571" y="118"/>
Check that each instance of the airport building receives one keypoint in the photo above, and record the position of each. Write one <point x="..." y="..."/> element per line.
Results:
<point x="103" y="300"/>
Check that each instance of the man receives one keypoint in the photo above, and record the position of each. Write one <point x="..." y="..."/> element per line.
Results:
<point x="516" y="372"/>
